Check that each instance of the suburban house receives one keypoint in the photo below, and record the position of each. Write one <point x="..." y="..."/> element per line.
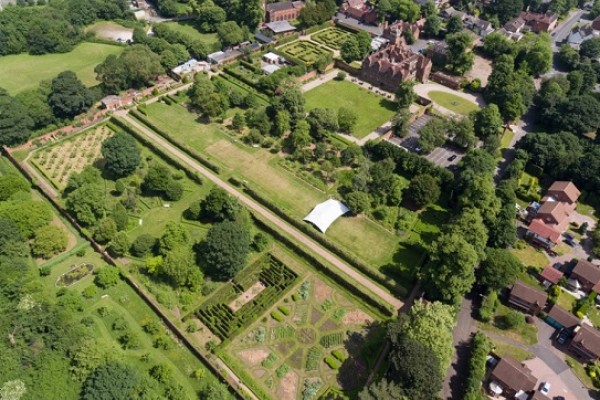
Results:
<point x="481" y="27"/>
<point x="534" y="22"/>
<point x="586" y="344"/>
<point x="526" y="298"/>
<point x="514" y="36"/>
<point x="224" y="57"/>
<point x="359" y="10"/>
<point x="581" y="34"/>
<point x="596" y="23"/>
<point x="283" y="11"/>
<point x="282" y="28"/>
<point x="393" y="64"/>
<point x="550" y="276"/>
<point x="396" y="31"/>
<point x="191" y="66"/>
<point x="451" y="12"/>
<point x="549" y="218"/>
<point x="560" y="318"/>
<point x="509" y="378"/>
<point x="585" y="277"/>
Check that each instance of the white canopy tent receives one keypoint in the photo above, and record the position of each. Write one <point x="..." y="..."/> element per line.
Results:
<point x="325" y="213"/>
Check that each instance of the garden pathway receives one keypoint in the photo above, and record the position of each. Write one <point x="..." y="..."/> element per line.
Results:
<point x="265" y="213"/>
<point x="423" y="90"/>
<point x="320" y="80"/>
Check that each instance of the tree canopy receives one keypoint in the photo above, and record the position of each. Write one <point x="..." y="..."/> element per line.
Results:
<point x="225" y="250"/>
<point x="121" y="153"/>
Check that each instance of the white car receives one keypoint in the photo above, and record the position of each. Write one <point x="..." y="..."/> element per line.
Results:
<point x="545" y="388"/>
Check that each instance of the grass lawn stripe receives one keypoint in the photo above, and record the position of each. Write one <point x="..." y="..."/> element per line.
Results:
<point x="452" y="102"/>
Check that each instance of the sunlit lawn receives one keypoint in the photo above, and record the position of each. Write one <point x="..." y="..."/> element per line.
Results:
<point x="453" y="102"/>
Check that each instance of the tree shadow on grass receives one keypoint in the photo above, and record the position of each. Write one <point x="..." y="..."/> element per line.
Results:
<point x="388" y="104"/>
<point x="363" y="348"/>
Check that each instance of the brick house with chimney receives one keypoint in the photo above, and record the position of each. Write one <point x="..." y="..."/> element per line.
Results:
<point x="534" y="22"/>
<point x="586" y="275"/>
<point x="392" y="65"/>
<point x="511" y="377"/>
<point x="527" y="298"/>
<point x="396" y="31"/>
<point x="359" y="10"/>
<point x="283" y="11"/>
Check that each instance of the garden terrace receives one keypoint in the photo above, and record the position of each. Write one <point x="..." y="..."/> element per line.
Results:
<point x="332" y="37"/>
<point x="216" y="314"/>
<point x="305" y="51"/>
<point x="316" y="334"/>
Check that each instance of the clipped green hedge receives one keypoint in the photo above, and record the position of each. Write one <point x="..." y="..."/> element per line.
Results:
<point x="339" y="355"/>
<point x="332" y="362"/>
<point x="480" y="348"/>
<point x="284" y="310"/>
<point x="276" y="316"/>
<point x="192" y="153"/>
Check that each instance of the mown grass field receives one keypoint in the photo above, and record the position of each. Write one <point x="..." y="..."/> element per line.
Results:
<point x="452" y="102"/>
<point x="372" y="110"/>
<point x="23" y="71"/>
<point x="210" y="39"/>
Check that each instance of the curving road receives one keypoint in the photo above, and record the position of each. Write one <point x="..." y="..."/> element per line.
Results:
<point x="265" y="213"/>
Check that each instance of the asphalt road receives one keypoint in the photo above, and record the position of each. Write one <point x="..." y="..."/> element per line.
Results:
<point x="265" y="213"/>
<point x="563" y="30"/>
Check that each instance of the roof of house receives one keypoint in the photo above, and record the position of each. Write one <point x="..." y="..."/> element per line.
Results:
<point x="587" y="271"/>
<point x="578" y="35"/>
<point x="588" y="338"/>
<point x="551" y="274"/>
<point x="568" y="187"/>
<point x="451" y="12"/>
<point x="558" y="210"/>
<point x="546" y="18"/>
<point x="564" y="317"/>
<point x="284" y="5"/>
<point x="280" y="26"/>
<point x="528" y="294"/>
<point x="355" y="3"/>
<point x="514" y="24"/>
<point x="514" y="374"/>
<point x="263" y="38"/>
<point x="544" y="231"/>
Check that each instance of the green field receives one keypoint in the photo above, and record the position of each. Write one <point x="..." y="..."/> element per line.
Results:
<point x="209" y="39"/>
<point x="372" y="109"/>
<point x="359" y="235"/>
<point x="452" y="102"/>
<point x="23" y="71"/>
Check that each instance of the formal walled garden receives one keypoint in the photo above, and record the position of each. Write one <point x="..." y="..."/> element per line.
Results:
<point x="59" y="161"/>
<point x="313" y="340"/>
<point x="305" y="51"/>
<point x="332" y="37"/>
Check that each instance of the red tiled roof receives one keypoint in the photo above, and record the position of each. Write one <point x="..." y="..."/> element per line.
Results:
<point x="568" y="187"/>
<point x="551" y="274"/>
<point x="541" y="229"/>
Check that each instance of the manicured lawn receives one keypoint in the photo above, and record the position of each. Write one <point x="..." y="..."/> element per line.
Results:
<point x="501" y="349"/>
<point x="372" y="110"/>
<point x="23" y="71"/>
<point x="524" y="333"/>
<point x="452" y="102"/>
<point x="358" y="235"/>
<point x="209" y="39"/>
<point x="506" y="139"/>
<point x="579" y="370"/>
<point x="531" y="256"/>
<point x="594" y="316"/>
<point x="566" y="301"/>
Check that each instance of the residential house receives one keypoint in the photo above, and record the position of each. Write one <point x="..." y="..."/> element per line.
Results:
<point x="111" y="102"/>
<point x="283" y="11"/>
<point x="550" y="276"/>
<point x="224" y="57"/>
<point x="190" y="67"/>
<point x="393" y="64"/>
<point x="586" y="344"/>
<point x="596" y="23"/>
<point x="272" y="58"/>
<point x="550" y="217"/>
<point x="560" y="318"/>
<point x="282" y="28"/>
<point x="514" y="36"/>
<point x="585" y="276"/>
<point x="396" y="31"/>
<point x="510" y="377"/>
<point x="580" y="34"/>
<point x="451" y="12"/>
<point x="451" y="81"/>
<point x="438" y="53"/>
<point x="534" y="22"/>
<point x="481" y="27"/>
<point x="359" y="10"/>
<point x="527" y="298"/>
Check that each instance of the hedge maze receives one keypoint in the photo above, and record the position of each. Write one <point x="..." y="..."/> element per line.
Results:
<point x="222" y="321"/>
<point x="332" y="37"/>
<point x="305" y="51"/>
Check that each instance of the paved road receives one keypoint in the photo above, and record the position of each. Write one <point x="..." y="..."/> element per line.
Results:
<point x="265" y="213"/>
<point x="423" y="90"/>
<point x="453" y="387"/>
<point x="320" y="80"/>
<point x="563" y="30"/>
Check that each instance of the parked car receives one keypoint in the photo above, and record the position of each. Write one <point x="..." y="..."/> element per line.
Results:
<point x="545" y="388"/>
<point x="570" y="242"/>
<point x="557" y="266"/>
<point x="558" y="398"/>
<point x="452" y="157"/>
<point x="562" y="337"/>
<point x="568" y="236"/>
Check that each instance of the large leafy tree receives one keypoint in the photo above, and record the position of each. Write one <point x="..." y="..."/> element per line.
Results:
<point x="226" y="248"/>
<point x="405" y="95"/>
<point x="111" y="381"/>
<point x="48" y="241"/>
<point x="15" y="122"/>
<point x="487" y="121"/>
<point x="450" y="272"/>
<point x="69" y="97"/>
<point x="230" y="33"/>
<point x="383" y="389"/>
<point x="469" y="224"/>
<point x="204" y="96"/>
<point x="121" y="153"/>
<point x="180" y="268"/>
<point x="86" y="203"/>
<point x="219" y="205"/>
<point x="506" y="9"/>
<point x="500" y="269"/>
<point x="460" y="57"/>
<point x="423" y="190"/>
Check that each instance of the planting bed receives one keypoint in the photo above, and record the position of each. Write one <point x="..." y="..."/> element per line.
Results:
<point x="332" y="37"/>
<point x="305" y="51"/>
<point x="296" y="356"/>
<point x="58" y="162"/>
<point x="74" y="275"/>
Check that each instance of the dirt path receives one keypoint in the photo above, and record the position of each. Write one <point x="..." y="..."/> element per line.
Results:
<point x="40" y="181"/>
<point x="227" y="371"/>
<point x="268" y="215"/>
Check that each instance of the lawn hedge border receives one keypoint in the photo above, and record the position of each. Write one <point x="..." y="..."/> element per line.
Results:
<point x="382" y="308"/>
<point x="192" y="153"/>
<point x="344" y="255"/>
<point x="480" y="348"/>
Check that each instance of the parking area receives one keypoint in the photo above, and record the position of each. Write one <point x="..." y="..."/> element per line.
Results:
<point x="444" y="156"/>
<point x="545" y="374"/>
